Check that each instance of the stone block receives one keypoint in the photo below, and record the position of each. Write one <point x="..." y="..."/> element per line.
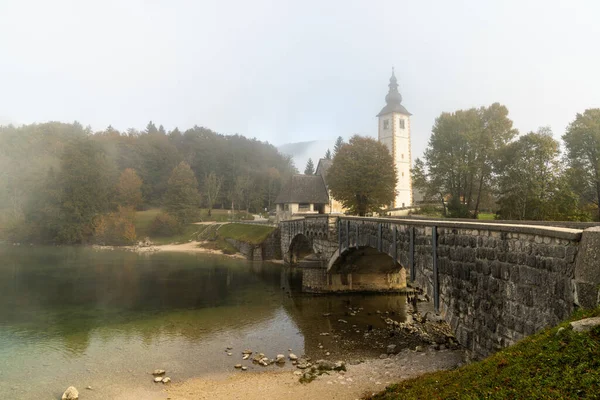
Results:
<point x="587" y="269"/>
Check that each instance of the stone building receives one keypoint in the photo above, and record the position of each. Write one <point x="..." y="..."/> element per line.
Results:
<point x="303" y="194"/>
<point x="394" y="133"/>
<point x="322" y="169"/>
<point x="307" y="194"/>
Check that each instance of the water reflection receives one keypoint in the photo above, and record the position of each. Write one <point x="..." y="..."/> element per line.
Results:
<point x="79" y="316"/>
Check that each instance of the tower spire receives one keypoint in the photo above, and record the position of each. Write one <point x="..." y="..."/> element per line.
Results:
<point x="393" y="97"/>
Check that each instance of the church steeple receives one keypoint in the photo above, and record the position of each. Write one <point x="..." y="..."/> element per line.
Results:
<point x="393" y="99"/>
<point x="393" y="95"/>
<point x="394" y="133"/>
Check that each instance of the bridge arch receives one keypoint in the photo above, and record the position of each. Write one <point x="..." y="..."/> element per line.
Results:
<point x="300" y="247"/>
<point x="365" y="269"/>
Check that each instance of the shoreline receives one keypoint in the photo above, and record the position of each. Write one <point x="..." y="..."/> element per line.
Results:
<point x="189" y="247"/>
<point x="360" y="379"/>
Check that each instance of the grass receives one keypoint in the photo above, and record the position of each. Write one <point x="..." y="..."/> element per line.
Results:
<point x="143" y="222"/>
<point x="219" y="244"/>
<point x="486" y="216"/>
<point x="188" y="232"/>
<point x="547" y="365"/>
<point x="219" y="215"/>
<point x="254" y="234"/>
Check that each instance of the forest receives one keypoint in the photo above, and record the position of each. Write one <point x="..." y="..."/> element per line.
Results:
<point x="65" y="184"/>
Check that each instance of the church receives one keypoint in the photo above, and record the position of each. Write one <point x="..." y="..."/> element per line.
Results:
<point x="309" y="194"/>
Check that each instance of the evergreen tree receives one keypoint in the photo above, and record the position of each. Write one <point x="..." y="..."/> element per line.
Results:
<point x="310" y="167"/>
<point x="328" y="155"/>
<point x="151" y="128"/>
<point x="182" y="198"/>
<point x="338" y="145"/>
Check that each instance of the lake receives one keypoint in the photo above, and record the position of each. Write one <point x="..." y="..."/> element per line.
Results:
<point x="101" y="318"/>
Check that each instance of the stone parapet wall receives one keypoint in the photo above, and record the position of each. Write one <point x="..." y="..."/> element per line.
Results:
<point x="496" y="282"/>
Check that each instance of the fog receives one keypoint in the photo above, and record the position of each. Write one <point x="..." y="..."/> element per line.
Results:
<point x="288" y="72"/>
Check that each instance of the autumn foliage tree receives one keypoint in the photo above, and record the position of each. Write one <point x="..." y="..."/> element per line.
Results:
<point x="129" y="189"/>
<point x="363" y="175"/>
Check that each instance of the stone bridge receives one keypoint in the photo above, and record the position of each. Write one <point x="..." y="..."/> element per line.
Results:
<point x="493" y="282"/>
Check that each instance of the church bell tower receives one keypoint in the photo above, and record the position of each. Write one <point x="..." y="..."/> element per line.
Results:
<point x="394" y="133"/>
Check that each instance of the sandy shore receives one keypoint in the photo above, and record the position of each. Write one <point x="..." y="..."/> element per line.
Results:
<point x="189" y="247"/>
<point x="368" y="377"/>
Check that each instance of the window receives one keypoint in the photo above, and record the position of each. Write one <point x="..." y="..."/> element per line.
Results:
<point x="401" y="123"/>
<point x="286" y="207"/>
<point x="304" y="207"/>
<point x="386" y="124"/>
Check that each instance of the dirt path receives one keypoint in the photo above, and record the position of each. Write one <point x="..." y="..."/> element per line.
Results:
<point x="368" y="377"/>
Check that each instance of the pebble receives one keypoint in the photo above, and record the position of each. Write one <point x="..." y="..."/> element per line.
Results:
<point x="158" y="379"/>
<point x="244" y="368"/>
<point x="237" y="366"/>
<point x="166" y="380"/>
<point x="293" y="357"/>
<point x="159" y="372"/>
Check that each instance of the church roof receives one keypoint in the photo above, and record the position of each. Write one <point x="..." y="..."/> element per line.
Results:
<point x="304" y="189"/>
<point x="393" y="99"/>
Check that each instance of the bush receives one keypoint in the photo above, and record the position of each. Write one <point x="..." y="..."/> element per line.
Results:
<point x="115" y="229"/>
<point x="456" y="209"/>
<point x="165" y="225"/>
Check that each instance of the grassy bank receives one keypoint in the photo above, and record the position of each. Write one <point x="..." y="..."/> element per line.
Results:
<point x="253" y="234"/>
<point x="143" y="222"/>
<point x="548" y="365"/>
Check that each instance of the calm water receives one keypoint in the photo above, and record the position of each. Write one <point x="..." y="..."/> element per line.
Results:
<point x="78" y="316"/>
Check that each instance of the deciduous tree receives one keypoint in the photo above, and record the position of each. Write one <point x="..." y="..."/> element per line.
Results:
<point x="582" y="142"/>
<point x="458" y="162"/>
<point x="531" y="186"/>
<point x="129" y="189"/>
<point x="363" y="175"/>
<point x="182" y="198"/>
<point x="212" y="188"/>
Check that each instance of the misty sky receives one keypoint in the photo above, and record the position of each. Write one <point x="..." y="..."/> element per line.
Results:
<point x="287" y="71"/>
